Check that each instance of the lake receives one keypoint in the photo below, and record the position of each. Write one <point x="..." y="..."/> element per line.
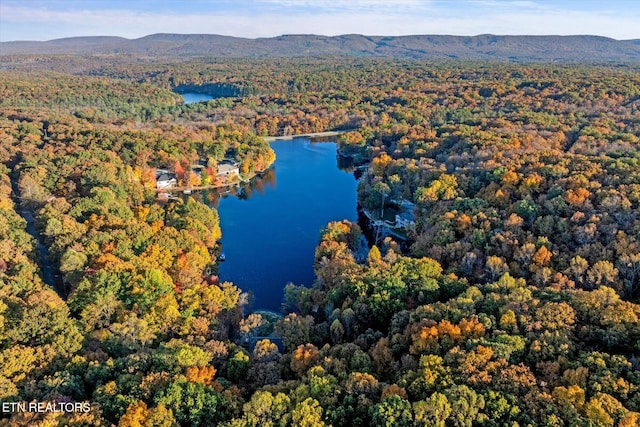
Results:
<point x="271" y="228"/>
<point x="190" y="98"/>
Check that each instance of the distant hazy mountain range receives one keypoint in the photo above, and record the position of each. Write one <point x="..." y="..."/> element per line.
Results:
<point x="483" y="47"/>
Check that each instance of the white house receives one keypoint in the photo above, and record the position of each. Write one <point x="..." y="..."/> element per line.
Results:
<point x="166" y="180"/>
<point x="227" y="168"/>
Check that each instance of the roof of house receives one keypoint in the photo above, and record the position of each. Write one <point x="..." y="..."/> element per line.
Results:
<point x="165" y="177"/>
<point x="227" y="168"/>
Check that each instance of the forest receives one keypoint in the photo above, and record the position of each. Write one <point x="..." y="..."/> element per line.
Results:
<point x="515" y="300"/>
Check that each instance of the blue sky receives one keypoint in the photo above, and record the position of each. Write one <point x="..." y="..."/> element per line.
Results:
<point x="50" y="19"/>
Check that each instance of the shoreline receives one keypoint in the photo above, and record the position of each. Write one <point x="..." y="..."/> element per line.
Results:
<point x="305" y="135"/>
<point x="213" y="186"/>
<point x="248" y="179"/>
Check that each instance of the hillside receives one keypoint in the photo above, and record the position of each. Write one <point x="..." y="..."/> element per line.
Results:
<point x="481" y="47"/>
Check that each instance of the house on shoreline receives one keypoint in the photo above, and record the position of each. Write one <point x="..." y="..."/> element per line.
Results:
<point x="226" y="174"/>
<point x="227" y="168"/>
<point x="396" y="219"/>
<point x="405" y="219"/>
<point x="165" y="179"/>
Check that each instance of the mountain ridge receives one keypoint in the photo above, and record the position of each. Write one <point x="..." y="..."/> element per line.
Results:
<point x="480" y="47"/>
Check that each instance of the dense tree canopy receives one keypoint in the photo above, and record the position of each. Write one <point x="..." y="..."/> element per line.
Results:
<point x="514" y="300"/>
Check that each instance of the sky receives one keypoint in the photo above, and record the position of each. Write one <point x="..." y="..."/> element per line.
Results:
<point x="51" y="19"/>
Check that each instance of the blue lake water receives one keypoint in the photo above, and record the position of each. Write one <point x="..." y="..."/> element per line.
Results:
<point x="190" y="98"/>
<point x="270" y="231"/>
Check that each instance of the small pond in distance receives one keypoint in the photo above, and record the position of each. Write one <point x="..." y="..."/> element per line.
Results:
<point x="271" y="227"/>
<point x="190" y="98"/>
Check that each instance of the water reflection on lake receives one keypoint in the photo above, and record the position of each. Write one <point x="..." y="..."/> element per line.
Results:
<point x="270" y="228"/>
